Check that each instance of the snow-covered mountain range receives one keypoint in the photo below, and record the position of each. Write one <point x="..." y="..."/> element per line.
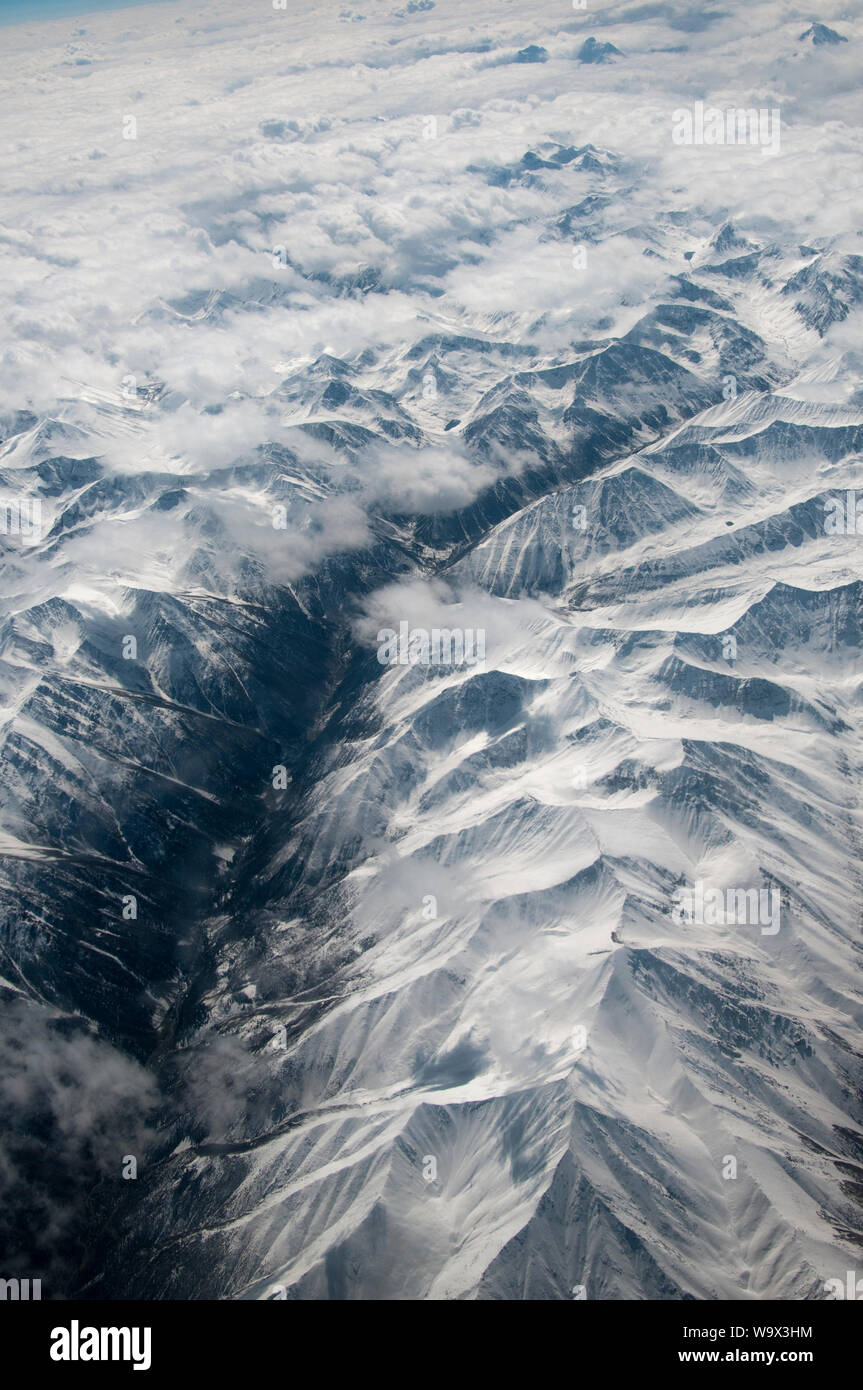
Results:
<point x="325" y="978"/>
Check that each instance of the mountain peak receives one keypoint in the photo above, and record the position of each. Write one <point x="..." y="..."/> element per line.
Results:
<point x="819" y="34"/>
<point x="532" y="54"/>
<point x="593" y="52"/>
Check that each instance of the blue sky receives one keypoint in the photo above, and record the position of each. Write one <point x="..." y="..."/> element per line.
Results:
<point x="18" y="11"/>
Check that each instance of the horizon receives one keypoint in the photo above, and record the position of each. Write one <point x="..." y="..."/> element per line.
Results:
<point x="36" y="11"/>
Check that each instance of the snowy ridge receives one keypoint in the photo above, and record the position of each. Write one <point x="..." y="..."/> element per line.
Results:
<point x="550" y="804"/>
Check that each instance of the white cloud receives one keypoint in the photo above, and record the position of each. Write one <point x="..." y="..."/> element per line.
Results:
<point x="156" y="260"/>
